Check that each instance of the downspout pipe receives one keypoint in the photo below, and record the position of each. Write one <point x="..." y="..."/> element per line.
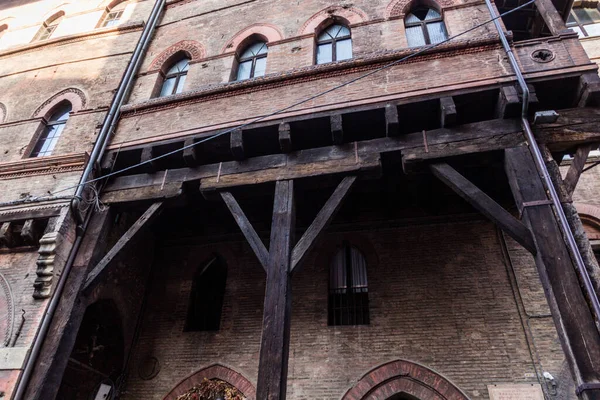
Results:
<point x="543" y="171"/>
<point x="112" y="117"/>
<point x="98" y="151"/>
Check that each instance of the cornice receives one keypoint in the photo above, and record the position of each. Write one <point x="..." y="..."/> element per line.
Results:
<point x="78" y="37"/>
<point x="307" y="74"/>
<point x="43" y="165"/>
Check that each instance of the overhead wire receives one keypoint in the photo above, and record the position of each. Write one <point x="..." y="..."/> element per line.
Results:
<point x="293" y="105"/>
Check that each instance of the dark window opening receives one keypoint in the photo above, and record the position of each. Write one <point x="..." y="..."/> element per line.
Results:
<point x="334" y="44"/>
<point x="424" y="26"/>
<point x="54" y="127"/>
<point x="207" y="295"/>
<point x="348" y="288"/>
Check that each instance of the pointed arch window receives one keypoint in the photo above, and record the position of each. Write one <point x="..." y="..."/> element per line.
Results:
<point x="52" y="131"/>
<point x="334" y="44"/>
<point x="48" y="28"/>
<point x="424" y="26"/>
<point x="252" y="63"/>
<point x="175" y="78"/>
<point x="207" y="295"/>
<point x="112" y="15"/>
<point x="348" y="288"/>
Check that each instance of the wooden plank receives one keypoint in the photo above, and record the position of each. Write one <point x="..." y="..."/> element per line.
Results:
<point x="285" y="137"/>
<point x="576" y="167"/>
<point x="572" y="316"/>
<point x="392" y="122"/>
<point x="154" y="192"/>
<point x="337" y="129"/>
<point x="236" y="141"/>
<point x="485" y="204"/>
<point x="247" y="229"/>
<point x="447" y="112"/>
<point x="142" y="223"/>
<point x="189" y="154"/>
<point x="274" y="348"/>
<point x="320" y="223"/>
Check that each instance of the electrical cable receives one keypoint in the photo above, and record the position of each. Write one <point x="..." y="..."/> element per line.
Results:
<point x="310" y="98"/>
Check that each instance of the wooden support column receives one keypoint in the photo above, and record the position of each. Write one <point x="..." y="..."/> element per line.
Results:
<point x="285" y="137"/>
<point x="551" y="17"/>
<point x="392" y="123"/>
<point x="237" y="144"/>
<point x="190" y="157"/>
<point x="337" y="130"/>
<point x="274" y="349"/>
<point x="572" y="316"/>
<point x="447" y="112"/>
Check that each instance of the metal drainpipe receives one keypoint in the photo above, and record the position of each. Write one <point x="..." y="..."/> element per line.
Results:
<point x="97" y="152"/>
<point x="112" y="117"/>
<point x="541" y="167"/>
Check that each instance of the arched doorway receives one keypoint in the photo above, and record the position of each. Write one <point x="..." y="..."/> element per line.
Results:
<point x="403" y="380"/>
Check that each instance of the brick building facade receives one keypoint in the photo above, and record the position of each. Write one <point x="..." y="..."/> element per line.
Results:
<point x="381" y="240"/>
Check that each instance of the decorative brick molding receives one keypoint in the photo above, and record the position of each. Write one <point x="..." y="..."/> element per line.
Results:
<point x="398" y="8"/>
<point x="2" y="113"/>
<point x="74" y="96"/>
<point x="403" y="377"/>
<point x="7" y="311"/>
<point x="268" y="32"/>
<point x="45" y="266"/>
<point x="215" y="371"/>
<point x="43" y="165"/>
<point x="194" y="50"/>
<point x="349" y="14"/>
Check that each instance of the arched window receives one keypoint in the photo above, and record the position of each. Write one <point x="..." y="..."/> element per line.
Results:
<point x="48" y="27"/>
<point x="206" y="298"/>
<point x="113" y="14"/>
<point x="334" y="44"/>
<point x="175" y="78"/>
<point x="424" y="26"/>
<point x="54" y="127"/>
<point x="252" y="62"/>
<point x="348" y="288"/>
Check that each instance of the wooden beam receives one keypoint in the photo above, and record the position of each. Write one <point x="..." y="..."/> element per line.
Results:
<point x="573" y="319"/>
<point x="147" y="155"/>
<point x="589" y="90"/>
<point x="236" y="141"/>
<point x="285" y="137"/>
<point x="392" y="123"/>
<point x="320" y="223"/>
<point x="141" y="224"/>
<point x="447" y="112"/>
<point x="485" y="204"/>
<point x="337" y="130"/>
<point x="162" y="191"/>
<point x="274" y="349"/>
<point x="576" y="167"/>
<point x="551" y="17"/>
<point x="509" y="104"/>
<point x="247" y="229"/>
<point x="190" y="157"/>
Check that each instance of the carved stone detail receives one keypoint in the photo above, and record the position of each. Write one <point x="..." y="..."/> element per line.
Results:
<point x="45" y="266"/>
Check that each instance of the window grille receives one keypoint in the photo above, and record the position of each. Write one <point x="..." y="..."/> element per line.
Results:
<point x="54" y="127"/>
<point x="252" y="63"/>
<point x="348" y="288"/>
<point x="424" y="26"/>
<point x="334" y="44"/>
<point x="175" y="78"/>
<point x="207" y="295"/>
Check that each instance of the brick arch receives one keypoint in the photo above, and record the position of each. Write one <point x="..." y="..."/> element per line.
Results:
<point x="2" y="113"/>
<point x="398" y="8"/>
<point x="56" y="12"/>
<point x="267" y="32"/>
<point x="405" y="377"/>
<point x="348" y="14"/>
<point x="111" y="3"/>
<point x="74" y="96"/>
<point x="192" y="49"/>
<point x="215" y="371"/>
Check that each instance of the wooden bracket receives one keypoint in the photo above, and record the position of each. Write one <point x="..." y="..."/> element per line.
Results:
<point x="392" y="123"/>
<point x="447" y="112"/>
<point x="285" y="137"/>
<point x="485" y="204"/>
<point x="237" y="144"/>
<point x="141" y="224"/>
<point x="190" y="157"/>
<point x="337" y="130"/>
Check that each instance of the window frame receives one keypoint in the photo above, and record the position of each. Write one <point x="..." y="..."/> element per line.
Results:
<point x="333" y="42"/>
<point x="107" y="18"/>
<point x="177" y="75"/>
<point x="51" y="123"/>
<point x="423" y="23"/>
<point x="48" y="28"/>
<point x="253" y="58"/>
<point x="578" y="22"/>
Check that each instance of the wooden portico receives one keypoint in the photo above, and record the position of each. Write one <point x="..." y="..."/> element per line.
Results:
<point x="285" y="180"/>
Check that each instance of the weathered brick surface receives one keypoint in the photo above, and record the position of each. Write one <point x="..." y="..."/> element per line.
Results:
<point x="449" y="307"/>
